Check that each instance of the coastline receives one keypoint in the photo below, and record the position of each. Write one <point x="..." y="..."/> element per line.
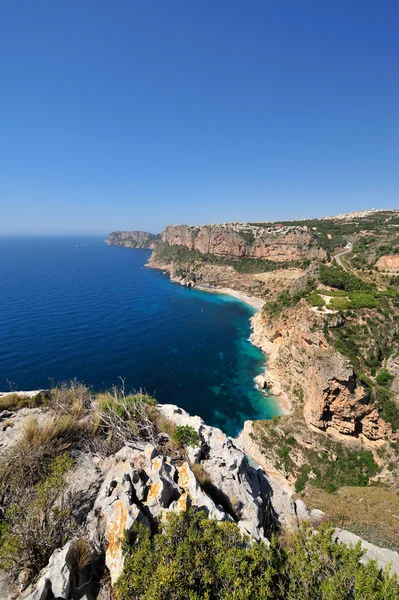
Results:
<point x="256" y="303"/>
<point x="267" y="346"/>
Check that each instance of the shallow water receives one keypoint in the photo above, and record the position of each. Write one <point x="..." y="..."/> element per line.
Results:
<point x="75" y="307"/>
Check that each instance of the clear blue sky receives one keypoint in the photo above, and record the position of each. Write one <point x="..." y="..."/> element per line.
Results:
<point x="134" y="114"/>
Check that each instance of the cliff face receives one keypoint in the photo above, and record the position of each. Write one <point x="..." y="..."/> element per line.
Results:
<point x="303" y="364"/>
<point x="245" y="241"/>
<point x="132" y="239"/>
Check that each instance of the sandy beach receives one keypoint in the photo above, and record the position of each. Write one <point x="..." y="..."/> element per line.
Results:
<point x="256" y="303"/>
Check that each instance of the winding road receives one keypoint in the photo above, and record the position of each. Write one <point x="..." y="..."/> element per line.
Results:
<point x="338" y="256"/>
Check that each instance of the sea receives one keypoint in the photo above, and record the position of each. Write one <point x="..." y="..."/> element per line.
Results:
<point x="74" y="307"/>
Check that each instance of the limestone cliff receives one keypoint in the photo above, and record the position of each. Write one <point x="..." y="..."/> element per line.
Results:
<point x="132" y="239"/>
<point x="241" y="240"/>
<point x="302" y="363"/>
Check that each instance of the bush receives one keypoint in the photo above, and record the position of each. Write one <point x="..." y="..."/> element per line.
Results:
<point x="363" y="300"/>
<point x="185" y="435"/>
<point x="70" y="397"/>
<point x="29" y="460"/>
<point x="15" y="401"/>
<point x="39" y="521"/>
<point x="387" y="407"/>
<point x="128" y="418"/>
<point x="384" y="378"/>
<point x="315" y="299"/>
<point x="339" y="303"/>
<point x="197" y="558"/>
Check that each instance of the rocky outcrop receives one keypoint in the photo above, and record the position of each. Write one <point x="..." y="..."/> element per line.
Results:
<point x="389" y="263"/>
<point x="55" y="580"/>
<point x="133" y="239"/>
<point x="301" y="362"/>
<point x="242" y="240"/>
<point x="142" y="485"/>
<point x="393" y="368"/>
<point x="382" y="556"/>
<point x="242" y="489"/>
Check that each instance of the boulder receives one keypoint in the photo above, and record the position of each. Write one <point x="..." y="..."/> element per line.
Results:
<point x="383" y="556"/>
<point x="55" y="579"/>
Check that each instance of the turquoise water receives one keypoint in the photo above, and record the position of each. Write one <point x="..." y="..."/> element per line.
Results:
<point x="75" y="307"/>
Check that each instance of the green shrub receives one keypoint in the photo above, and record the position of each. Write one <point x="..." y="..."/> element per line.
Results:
<point x="363" y="300"/>
<point x="185" y="435"/>
<point x="315" y="299"/>
<point x="387" y="407"/>
<point x="195" y="558"/>
<point x="384" y="378"/>
<point x="339" y="303"/>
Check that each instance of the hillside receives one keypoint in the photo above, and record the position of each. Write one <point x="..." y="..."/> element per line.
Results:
<point x="330" y="327"/>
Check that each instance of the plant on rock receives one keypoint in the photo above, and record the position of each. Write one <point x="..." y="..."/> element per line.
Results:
<point x="198" y="558"/>
<point x="185" y="435"/>
<point x="37" y="522"/>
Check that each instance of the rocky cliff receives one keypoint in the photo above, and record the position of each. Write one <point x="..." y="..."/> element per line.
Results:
<point x="241" y="240"/>
<point x="132" y="239"/>
<point x="302" y="363"/>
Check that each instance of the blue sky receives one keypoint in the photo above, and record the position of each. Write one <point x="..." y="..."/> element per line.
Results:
<point x="133" y="115"/>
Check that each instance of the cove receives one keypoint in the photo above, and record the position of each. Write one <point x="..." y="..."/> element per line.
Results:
<point x="74" y="307"/>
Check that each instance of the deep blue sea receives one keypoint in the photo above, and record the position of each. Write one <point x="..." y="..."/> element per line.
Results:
<point x="75" y="307"/>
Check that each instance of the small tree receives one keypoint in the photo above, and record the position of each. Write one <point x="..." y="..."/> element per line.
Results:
<point x="185" y="435"/>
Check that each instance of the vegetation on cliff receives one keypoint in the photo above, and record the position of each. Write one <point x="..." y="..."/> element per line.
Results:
<point x="187" y="261"/>
<point x="194" y="557"/>
<point x="38" y="510"/>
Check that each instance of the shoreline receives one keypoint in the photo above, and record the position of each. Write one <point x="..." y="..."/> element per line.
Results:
<point x="256" y="303"/>
<point x="279" y="395"/>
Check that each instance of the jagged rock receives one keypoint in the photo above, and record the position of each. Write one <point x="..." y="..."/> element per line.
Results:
<point x="261" y="381"/>
<point x="383" y="556"/>
<point x="393" y="368"/>
<point x="116" y="511"/>
<point x="243" y="490"/>
<point x="55" y="579"/>
<point x="193" y="495"/>
<point x="301" y="510"/>
<point x="142" y="485"/>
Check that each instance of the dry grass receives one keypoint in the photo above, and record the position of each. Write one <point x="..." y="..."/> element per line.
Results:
<point x="15" y="401"/>
<point x="29" y="460"/>
<point x="162" y="423"/>
<point x="371" y="512"/>
<point x="82" y="553"/>
<point x="201" y="474"/>
<point x="71" y="397"/>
